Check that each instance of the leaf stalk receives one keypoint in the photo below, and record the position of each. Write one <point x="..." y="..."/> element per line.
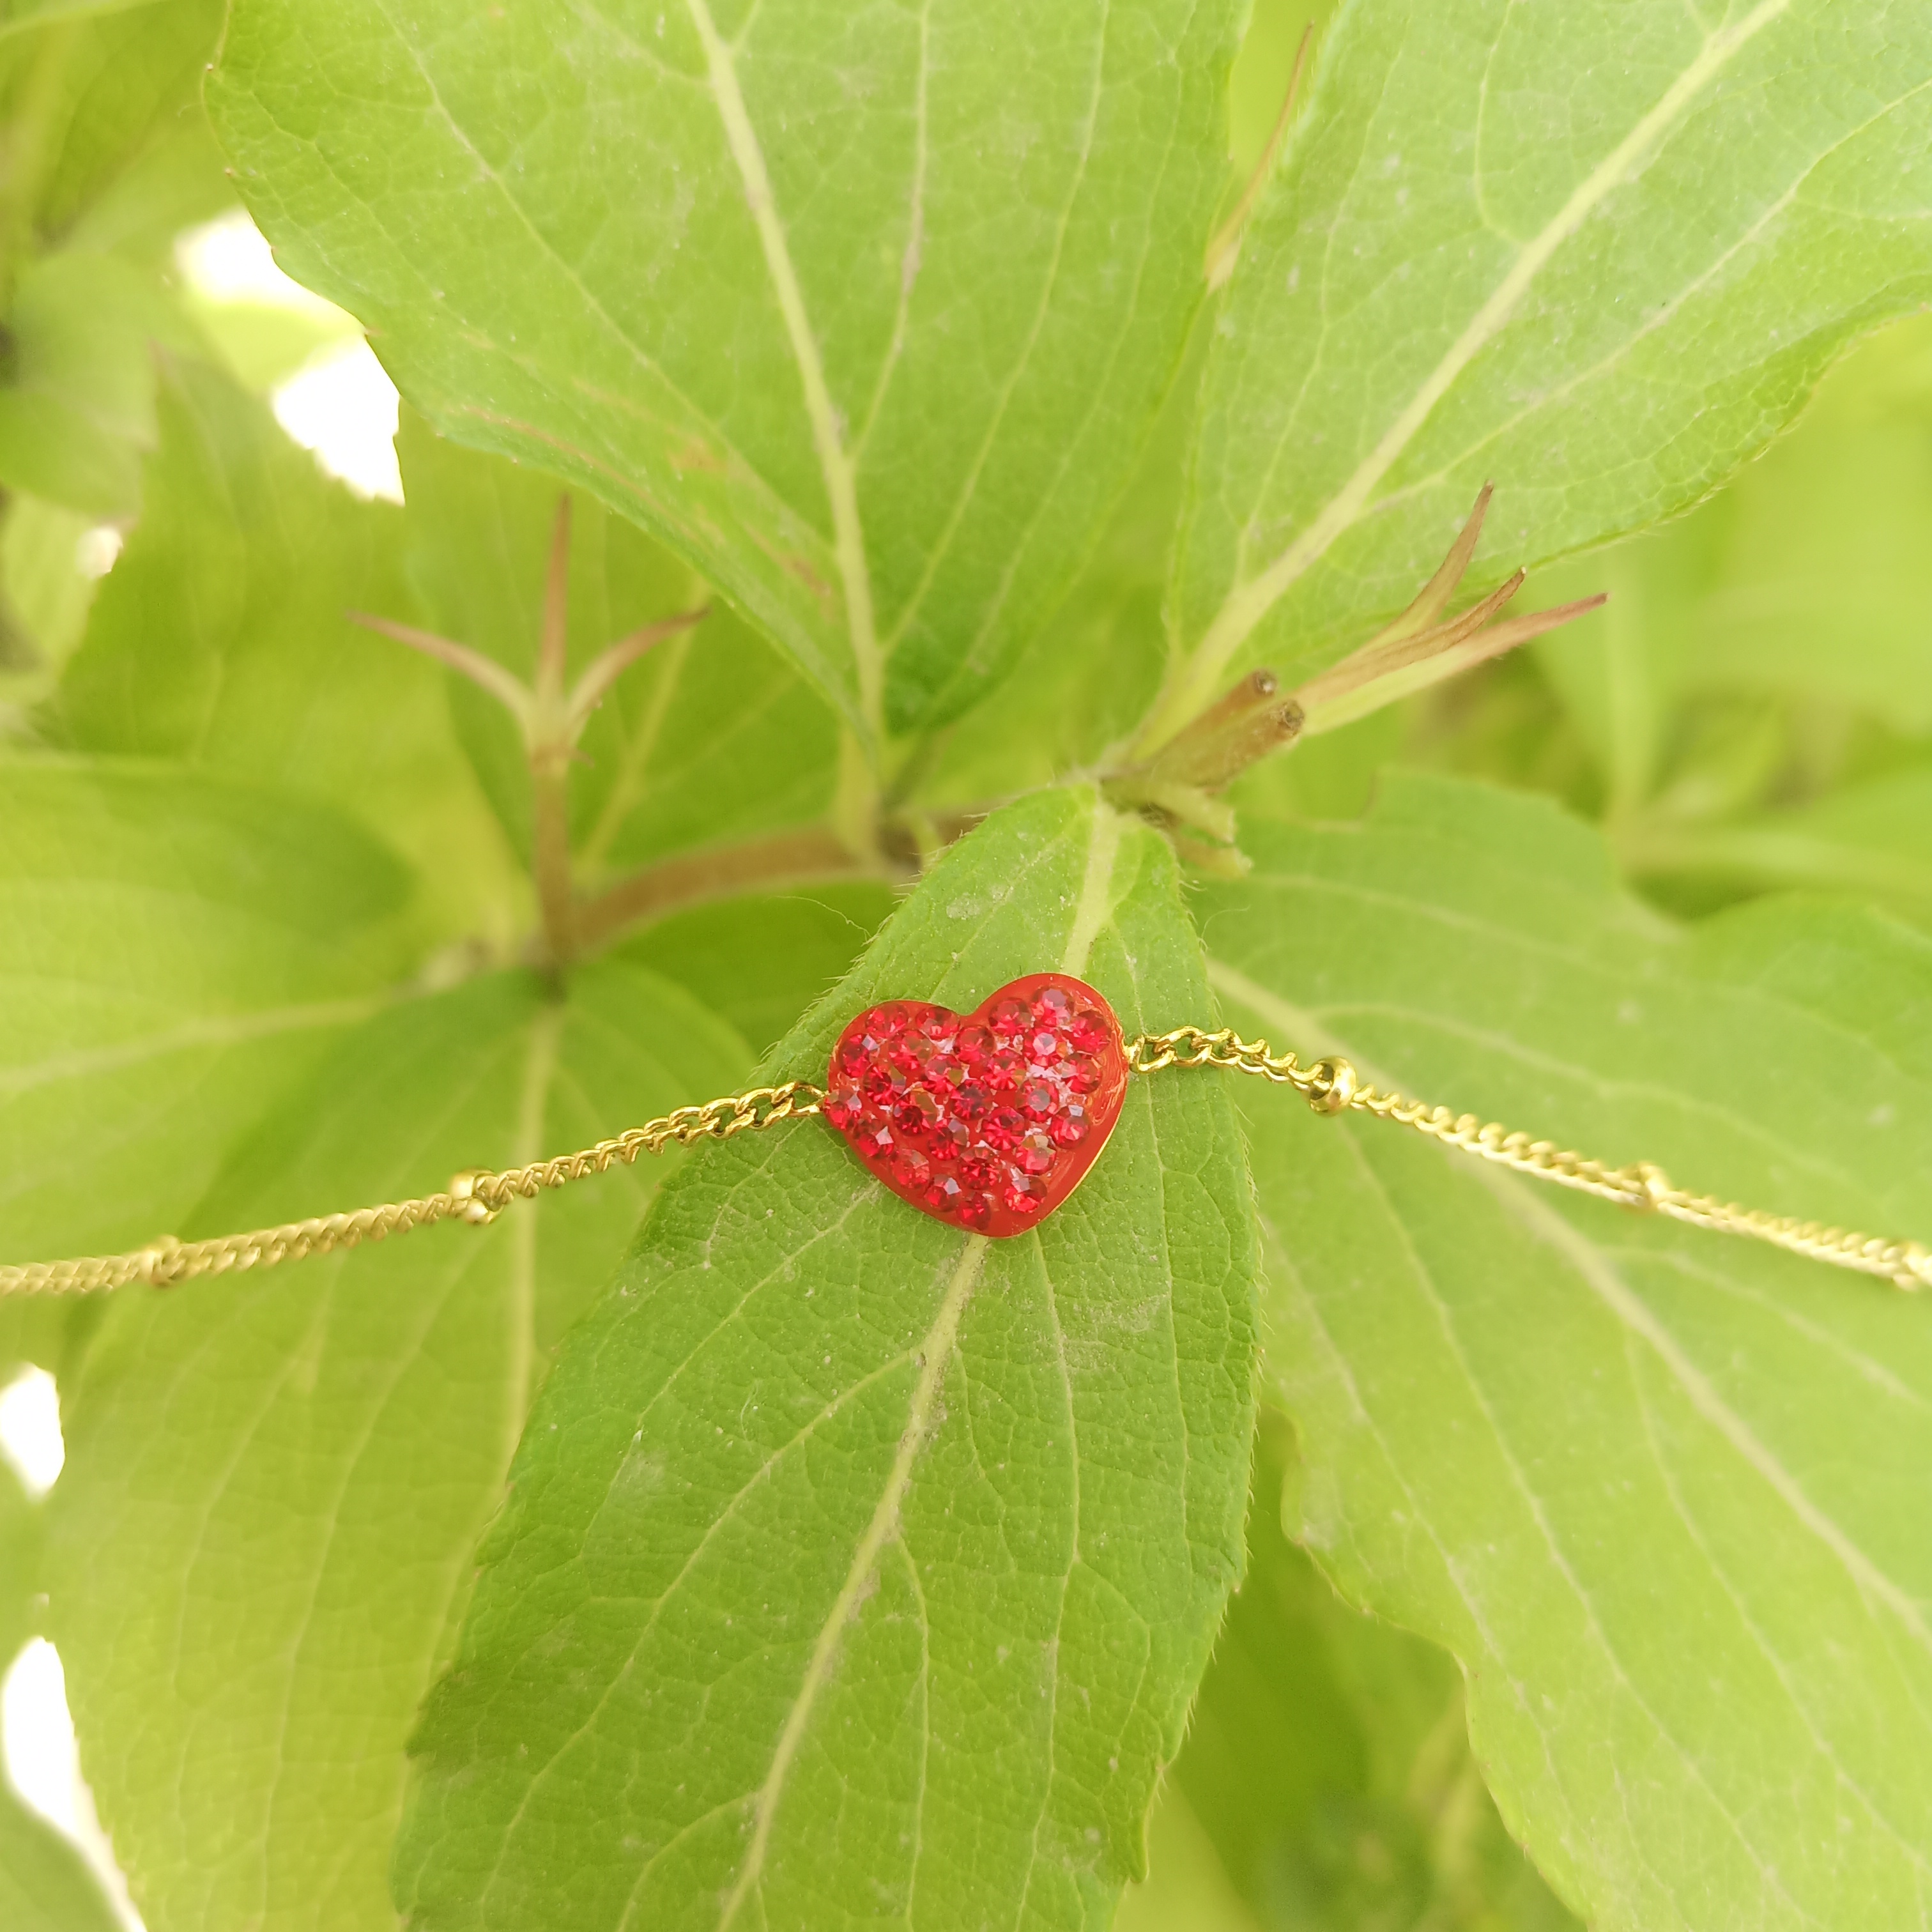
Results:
<point x="550" y="715"/>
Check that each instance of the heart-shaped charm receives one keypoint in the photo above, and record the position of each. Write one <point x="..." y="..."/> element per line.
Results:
<point x="986" y="1121"/>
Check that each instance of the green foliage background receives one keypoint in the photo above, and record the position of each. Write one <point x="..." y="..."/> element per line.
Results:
<point x="849" y="1572"/>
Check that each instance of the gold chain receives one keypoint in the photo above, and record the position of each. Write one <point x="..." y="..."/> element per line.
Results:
<point x="1329" y="1086"/>
<point x="476" y="1196"/>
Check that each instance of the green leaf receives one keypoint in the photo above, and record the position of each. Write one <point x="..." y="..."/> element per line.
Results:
<point x="853" y="1564"/>
<point x="1805" y="582"/>
<point x="20" y="16"/>
<point x="78" y="412"/>
<point x="261" y="344"/>
<point x="1598" y="253"/>
<point x="1186" y="1889"/>
<point x="175" y="954"/>
<point x="1823" y="544"/>
<point x="221" y="638"/>
<point x="1661" y="1492"/>
<point x="1090" y="676"/>
<point x="760" y="961"/>
<point x="1327" y="1779"/>
<point x="1874" y="839"/>
<point x="110" y="110"/>
<point x="274" y="1484"/>
<point x="864" y="315"/>
<point x="47" y="589"/>
<point x="711" y="736"/>
<point x="45" y="1886"/>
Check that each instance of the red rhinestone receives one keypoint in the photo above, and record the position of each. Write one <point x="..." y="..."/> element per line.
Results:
<point x="1044" y="1046"/>
<point x="912" y="1167"/>
<point x="1053" y="1005"/>
<point x="945" y="1194"/>
<point x="1035" y="1152"/>
<point x="1069" y="1128"/>
<point x="975" y="1211"/>
<point x="1009" y="1018"/>
<point x="1018" y="1199"/>
<point x="841" y="1106"/>
<point x="975" y="1172"/>
<point x="1088" y="1033"/>
<point x="1003" y="1070"/>
<point x="1002" y="1128"/>
<point x="1082" y="1080"/>
<point x="972" y="1045"/>
<point x="1040" y="1101"/>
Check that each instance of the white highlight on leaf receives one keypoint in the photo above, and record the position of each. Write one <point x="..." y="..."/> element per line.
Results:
<point x="343" y="407"/>
<point x="341" y="404"/>
<point x="30" y="1430"/>
<point x="43" y="1765"/>
<point x="229" y="260"/>
<point x="95" y="554"/>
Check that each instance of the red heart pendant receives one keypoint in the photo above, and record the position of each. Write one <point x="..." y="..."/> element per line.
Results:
<point x="986" y="1121"/>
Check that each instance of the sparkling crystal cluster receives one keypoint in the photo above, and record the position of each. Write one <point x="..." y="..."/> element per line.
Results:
<point x="985" y="1120"/>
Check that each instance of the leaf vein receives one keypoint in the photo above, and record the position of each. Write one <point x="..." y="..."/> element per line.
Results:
<point x="936" y="1352"/>
<point x="1249" y="602"/>
<point x="969" y="483"/>
<point x="1532" y="1504"/>
<point x="836" y="465"/>
<point x="1681" y="1510"/>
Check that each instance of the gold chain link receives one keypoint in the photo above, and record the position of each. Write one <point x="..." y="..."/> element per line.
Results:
<point x="1329" y="1086"/>
<point x="476" y="1197"/>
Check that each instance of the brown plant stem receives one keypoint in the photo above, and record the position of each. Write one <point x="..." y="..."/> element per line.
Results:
<point x="810" y="853"/>
<point x="1352" y="690"/>
<point x="485" y="672"/>
<point x="1245" y="725"/>
<point x="611" y="663"/>
<point x="553" y="641"/>
<point x="550" y="742"/>
<point x="550" y="857"/>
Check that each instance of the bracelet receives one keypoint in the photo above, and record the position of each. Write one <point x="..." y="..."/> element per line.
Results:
<point x="988" y="1121"/>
